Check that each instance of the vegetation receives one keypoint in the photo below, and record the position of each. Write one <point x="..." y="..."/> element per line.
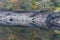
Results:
<point x="9" y="6"/>
<point x="27" y="5"/>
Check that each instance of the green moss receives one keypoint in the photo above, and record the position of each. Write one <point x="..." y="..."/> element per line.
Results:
<point x="58" y="5"/>
<point x="10" y="6"/>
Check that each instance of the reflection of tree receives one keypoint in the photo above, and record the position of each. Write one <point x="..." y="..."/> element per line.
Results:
<point x="11" y="34"/>
<point x="11" y="37"/>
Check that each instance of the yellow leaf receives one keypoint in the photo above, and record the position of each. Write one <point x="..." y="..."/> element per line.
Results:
<point x="57" y="9"/>
<point x="34" y="7"/>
